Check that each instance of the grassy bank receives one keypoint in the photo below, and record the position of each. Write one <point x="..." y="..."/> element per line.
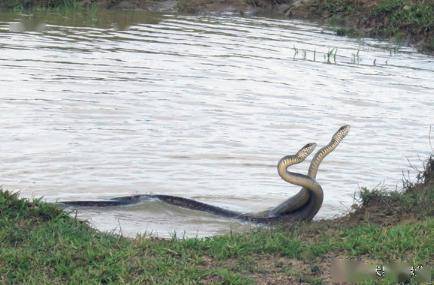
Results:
<point x="405" y="21"/>
<point x="41" y="244"/>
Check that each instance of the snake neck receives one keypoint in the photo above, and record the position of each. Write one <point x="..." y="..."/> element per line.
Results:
<point x="316" y="197"/>
<point x="296" y="178"/>
<point x="309" y="184"/>
<point x="292" y="177"/>
<point x="319" y="156"/>
<point x="308" y="211"/>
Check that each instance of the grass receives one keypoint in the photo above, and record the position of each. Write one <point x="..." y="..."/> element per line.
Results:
<point x="402" y="20"/>
<point x="404" y="17"/>
<point x="41" y="244"/>
<point x="21" y="5"/>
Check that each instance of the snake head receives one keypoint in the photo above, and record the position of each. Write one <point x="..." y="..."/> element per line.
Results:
<point x="306" y="150"/>
<point x="341" y="133"/>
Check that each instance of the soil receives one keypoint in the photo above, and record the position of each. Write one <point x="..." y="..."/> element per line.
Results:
<point x="407" y="22"/>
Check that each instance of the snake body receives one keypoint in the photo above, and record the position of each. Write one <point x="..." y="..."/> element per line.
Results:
<point x="302" y="197"/>
<point x="303" y="206"/>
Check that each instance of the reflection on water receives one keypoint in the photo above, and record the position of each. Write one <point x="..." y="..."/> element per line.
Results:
<point x="201" y="107"/>
<point x="96" y="18"/>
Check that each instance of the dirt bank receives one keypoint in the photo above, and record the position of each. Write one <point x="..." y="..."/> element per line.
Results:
<point x="408" y="22"/>
<point x="404" y="21"/>
<point x="41" y="244"/>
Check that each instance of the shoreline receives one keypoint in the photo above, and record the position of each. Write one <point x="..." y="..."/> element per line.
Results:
<point x="40" y="243"/>
<point x="403" y="22"/>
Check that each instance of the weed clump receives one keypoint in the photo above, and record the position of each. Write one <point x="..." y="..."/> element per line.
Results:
<point x="385" y="207"/>
<point x="405" y="21"/>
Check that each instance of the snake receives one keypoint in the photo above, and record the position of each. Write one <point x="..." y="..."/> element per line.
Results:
<point x="302" y="206"/>
<point x="301" y="198"/>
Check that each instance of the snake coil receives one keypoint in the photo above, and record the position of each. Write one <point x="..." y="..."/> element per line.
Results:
<point x="302" y="206"/>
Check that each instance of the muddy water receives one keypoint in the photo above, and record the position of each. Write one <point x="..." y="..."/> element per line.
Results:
<point x="95" y="106"/>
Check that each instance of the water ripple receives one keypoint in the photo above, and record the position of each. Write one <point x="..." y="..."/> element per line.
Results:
<point x="201" y="107"/>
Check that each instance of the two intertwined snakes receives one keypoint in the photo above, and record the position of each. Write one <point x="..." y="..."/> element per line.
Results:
<point x="302" y="206"/>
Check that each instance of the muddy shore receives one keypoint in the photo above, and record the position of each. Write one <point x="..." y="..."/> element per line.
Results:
<point x="405" y="22"/>
<point x="41" y="244"/>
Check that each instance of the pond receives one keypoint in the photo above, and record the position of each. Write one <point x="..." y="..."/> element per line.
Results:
<point x="108" y="104"/>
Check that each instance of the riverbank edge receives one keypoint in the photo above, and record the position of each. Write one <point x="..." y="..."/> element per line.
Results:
<point x="41" y="244"/>
<point x="405" y="22"/>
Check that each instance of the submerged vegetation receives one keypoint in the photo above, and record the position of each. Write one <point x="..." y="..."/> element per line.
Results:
<point x="40" y="243"/>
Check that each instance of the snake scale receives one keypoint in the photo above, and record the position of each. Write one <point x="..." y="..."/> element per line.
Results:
<point x="302" y="206"/>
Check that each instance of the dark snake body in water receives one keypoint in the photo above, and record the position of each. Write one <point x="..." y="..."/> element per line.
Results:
<point x="302" y="206"/>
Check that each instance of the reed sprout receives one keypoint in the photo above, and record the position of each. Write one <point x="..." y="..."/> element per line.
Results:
<point x="332" y="57"/>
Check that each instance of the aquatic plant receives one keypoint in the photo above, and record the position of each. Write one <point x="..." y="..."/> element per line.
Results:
<point x="295" y="52"/>
<point x="333" y="57"/>
<point x="331" y="54"/>
<point x="355" y="57"/>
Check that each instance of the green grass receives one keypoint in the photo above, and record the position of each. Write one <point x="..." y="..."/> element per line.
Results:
<point x="415" y="17"/>
<point x="53" y="5"/>
<point x="415" y="201"/>
<point x="41" y="244"/>
<point x="404" y="21"/>
<point x="401" y="20"/>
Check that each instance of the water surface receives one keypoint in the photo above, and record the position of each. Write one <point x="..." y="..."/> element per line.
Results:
<point x="95" y="106"/>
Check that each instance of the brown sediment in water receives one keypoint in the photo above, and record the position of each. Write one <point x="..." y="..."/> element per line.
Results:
<point x="409" y="22"/>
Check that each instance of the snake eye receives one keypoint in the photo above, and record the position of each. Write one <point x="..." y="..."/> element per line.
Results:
<point x="344" y="128"/>
<point x="342" y="132"/>
<point x="307" y="149"/>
